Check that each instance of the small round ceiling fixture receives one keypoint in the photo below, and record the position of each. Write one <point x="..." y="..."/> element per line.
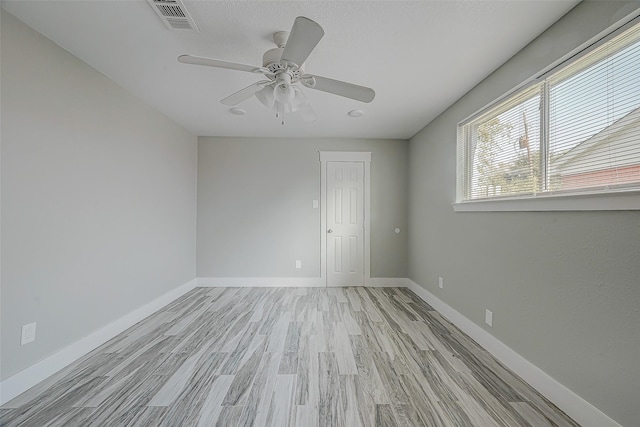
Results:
<point x="238" y="111"/>
<point x="355" y="113"/>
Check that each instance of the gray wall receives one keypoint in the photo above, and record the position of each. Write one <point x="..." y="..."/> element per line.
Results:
<point x="98" y="199"/>
<point x="255" y="212"/>
<point x="564" y="287"/>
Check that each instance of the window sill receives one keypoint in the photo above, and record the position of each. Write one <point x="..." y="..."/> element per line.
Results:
<point x="619" y="201"/>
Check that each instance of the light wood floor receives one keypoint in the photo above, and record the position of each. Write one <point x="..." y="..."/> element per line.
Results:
<point x="287" y="356"/>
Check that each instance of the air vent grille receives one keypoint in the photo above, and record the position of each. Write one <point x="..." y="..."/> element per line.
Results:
<point x="174" y="14"/>
<point x="179" y="24"/>
<point x="170" y="11"/>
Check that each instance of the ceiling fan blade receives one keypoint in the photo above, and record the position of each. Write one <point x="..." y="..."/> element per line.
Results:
<point x="197" y="60"/>
<point x="337" y="87"/>
<point x="244" y="94"/>
<point x="303" y="38"/>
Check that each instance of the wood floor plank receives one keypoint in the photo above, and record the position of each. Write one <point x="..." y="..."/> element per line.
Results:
<point x="454" y="415"/>
<point x="348" y="320"/>
<point x="374" y="391"/>
<point x="229" y="416"/>
<point x="368" y="306"/>
<point x="185" y="410"/>
<point x="71" y="417"/>
<point x="292" y="340"/>
<point x="406" y="415"/>
<point x="390" y="379"/>
<point x="384" y="416"/>
<point x="302" y="374"/>
<point x="306" y="416"/>
<point x="61" y="396"/>
<point x="233" y="337"/>
<point x="331" y="412"/>
<point x="354" y="299"/>
<point x="503" y="413"/>
<point x="150" y="416"/>
<point x="177" y="382"/>
<point x="248" y="339"/>
<point x="124" y="406"/>
<point x="212" y="406"/>
<point x="243" y="380"/>
<point x="107" y="389"/>
<point x="343" y="350"/>
<point x="427" y="408"/>
<point x="312" y="357"/>
<point x="351" y="404"/>
<point x="281" y="401"/>
<point x="278" y="334"/>
<point x="533" y="417"/>
<point x="260" y="399"/>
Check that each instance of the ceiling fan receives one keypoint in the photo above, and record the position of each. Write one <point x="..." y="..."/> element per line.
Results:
<point x="282" y="67"/>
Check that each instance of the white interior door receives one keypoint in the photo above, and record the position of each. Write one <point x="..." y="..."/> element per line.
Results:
<point x="345" y="223"/>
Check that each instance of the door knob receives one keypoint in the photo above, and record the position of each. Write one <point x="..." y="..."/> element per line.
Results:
<point x="329" y="231"/>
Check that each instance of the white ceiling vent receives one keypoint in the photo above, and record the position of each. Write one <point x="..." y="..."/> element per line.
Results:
<point x="174" y="14"/>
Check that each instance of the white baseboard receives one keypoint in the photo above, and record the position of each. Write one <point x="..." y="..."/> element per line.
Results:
<point x="287" y="282"/>
<point x="383" y="282"/>
<point x="573" y="405"/>
<point x="260" y="282"/>
<point x="24" y="380"/>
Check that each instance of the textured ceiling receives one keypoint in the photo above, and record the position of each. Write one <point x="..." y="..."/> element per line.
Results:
<point x="419" y="56"/>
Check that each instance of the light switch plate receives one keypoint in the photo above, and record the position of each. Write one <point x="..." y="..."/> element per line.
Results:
<point x="28" y="333"/>
<point x="488" y="318"/>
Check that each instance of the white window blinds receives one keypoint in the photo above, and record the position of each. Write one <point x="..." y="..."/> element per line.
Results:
<point x="505" y="148"/>
<point x="576" y="130"/>
<point x="594" y="118"/>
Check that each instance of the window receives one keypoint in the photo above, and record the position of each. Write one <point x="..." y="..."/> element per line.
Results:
<point x="573" y="131"/>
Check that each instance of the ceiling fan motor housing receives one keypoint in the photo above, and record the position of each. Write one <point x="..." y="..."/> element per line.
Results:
<point x="272" y="61"/>
<point x="271" y="57"/>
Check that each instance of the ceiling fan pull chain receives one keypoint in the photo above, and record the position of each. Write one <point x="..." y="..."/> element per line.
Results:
<point x="280" y="113"/>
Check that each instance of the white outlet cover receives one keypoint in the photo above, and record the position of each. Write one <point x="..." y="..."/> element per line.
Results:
<point x="488" y="318"/>
<point x="28" y="333"/>
<point x="315" y="204"/>
<point x="441" y="282"/>
<point x="298" y="263"/>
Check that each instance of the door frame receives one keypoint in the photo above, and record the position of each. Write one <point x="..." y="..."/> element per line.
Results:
<point x="345" y="156"/>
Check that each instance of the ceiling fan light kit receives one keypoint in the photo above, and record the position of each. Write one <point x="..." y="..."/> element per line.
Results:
<point x="282" y="66"/>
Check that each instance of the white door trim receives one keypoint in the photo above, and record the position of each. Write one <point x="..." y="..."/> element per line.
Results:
<point x="345" y="156"/>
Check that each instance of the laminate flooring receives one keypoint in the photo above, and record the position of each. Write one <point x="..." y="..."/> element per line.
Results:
<point x="287" y="357"/>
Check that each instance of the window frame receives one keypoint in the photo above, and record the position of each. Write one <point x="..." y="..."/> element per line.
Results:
<point x="593" y="199"/>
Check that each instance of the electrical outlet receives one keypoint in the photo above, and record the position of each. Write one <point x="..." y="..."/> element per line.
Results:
<point x="315" y="204"/>
<point x="28" y="333"/>
<point x="488" y="318"/>
<point x="441" y="282"/>
<point x="298" y="263"/>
